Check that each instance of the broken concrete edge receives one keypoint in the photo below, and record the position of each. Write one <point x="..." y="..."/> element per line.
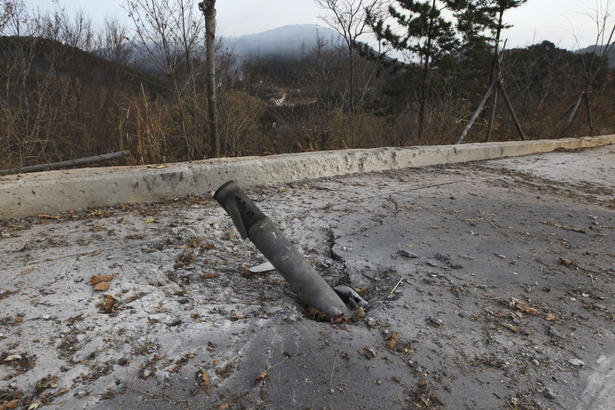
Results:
<point x="59" y="191"/>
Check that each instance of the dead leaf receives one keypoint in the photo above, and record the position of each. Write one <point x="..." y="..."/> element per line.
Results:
<point x="236" y="316"/>
<point x="101" y="278"/>
<point x="205" y="382"/>
<point x="551" y="317"/>
<point x="510" y="327"/>
<point x="224" y="406"/>
<point x="10" y="405"/>
<point x="210" y="276"/>
<point x="96" y="253"/>
<point x="150" y="221"/>
<point x="338" y="319"/>
<point x="27" y="271"/>
<point x="360" y="313"/>
<point x="110" y="304"/>
<point x="102" y="287"/>
<point x="45" y="216"/>
<point x="261" y="377"/>
<point x="522" y="307"/>
<point x="565" y="261"/>
<point x="392" y="340"/>
<point x="529" y="310"/>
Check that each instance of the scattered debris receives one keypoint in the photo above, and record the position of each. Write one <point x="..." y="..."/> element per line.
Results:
<point x="548" y="393"/>
<point x="96" y="279"/>
<point x="565" y="227"/>
<point x="205" y="382"/>
<point x="262" y="376"/>
<point x="523" y="308"/>
<point x="392" y="340"/>
<point x="263" y="267"/>
<point x="367" y="352"/>
<point x="406" y="254"/>
<point x="236" y="316"/>
<point x="109" y="304"/>
<point x="102" y="287"/>
<point x="511" y="327"/>
<point x="225" y="371"/>
<point x="565" y="261"/>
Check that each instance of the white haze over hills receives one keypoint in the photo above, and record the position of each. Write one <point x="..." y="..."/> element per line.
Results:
<point x="291" y="41"/>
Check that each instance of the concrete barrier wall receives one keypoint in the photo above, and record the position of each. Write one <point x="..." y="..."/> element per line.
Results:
<point x="58" y="191"/>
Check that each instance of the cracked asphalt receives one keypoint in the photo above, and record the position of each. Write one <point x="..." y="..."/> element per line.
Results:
<point x="490" y="285"/>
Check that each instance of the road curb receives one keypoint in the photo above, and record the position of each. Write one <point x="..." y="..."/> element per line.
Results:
<point x="59" y="191"/>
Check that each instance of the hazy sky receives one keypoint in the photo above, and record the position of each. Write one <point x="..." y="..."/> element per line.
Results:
<point x="560" y="21"/>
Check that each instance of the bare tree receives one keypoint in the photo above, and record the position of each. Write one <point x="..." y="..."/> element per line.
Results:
<point x="602" y="17"/>
<point x="167" y="31"/>
<point x="348" y="18"/>
<point x="208" y="7"/>
<point x="113" y="43"/>
<point x="6" y="11"/>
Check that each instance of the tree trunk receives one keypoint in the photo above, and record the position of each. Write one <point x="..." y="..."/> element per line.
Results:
<point x="425" y="83"/>
<point x="209" y="10"/>
<point x="351" y="80"/>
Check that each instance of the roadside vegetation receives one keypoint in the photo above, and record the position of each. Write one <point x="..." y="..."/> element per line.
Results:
<point x="68" y="89"/>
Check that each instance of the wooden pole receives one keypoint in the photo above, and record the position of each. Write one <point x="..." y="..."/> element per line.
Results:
<point x="511" y="109"/>
<point x="66" y="164"/>
<point x="476" y="113"/>
<point x="208" y="7"/>
<point x="493" y="111"/>
<point x="589" y="114"/>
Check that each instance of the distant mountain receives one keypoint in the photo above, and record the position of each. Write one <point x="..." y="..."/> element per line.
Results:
<point x="287" y="41"/>
<point x="599" y="50"/>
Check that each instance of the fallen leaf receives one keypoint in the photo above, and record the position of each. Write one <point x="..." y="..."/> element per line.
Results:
<point x="236" y="316"/>
<point x="245" y="272"/>
<point x="210" y="276"/>
<point x="110" y="304"/>
<point x="205" y="383"/>
<point x="45" y="216"/>
<point x="551" y="317"/>
<point x="392" y="340"/>
<point x="360" y="313"/>
<point x="565" y="261"/>
<point x="224" y="406"/>
<point x="34" y="405"/>
<point x="102" y="287"/>
<point x="261" y="377"/>
<point x="150" y="221"/>
<point x="10" y="405"/>
<point x="510" y="327"/>
<point x="101" y="278"/>
<point x="522" y="307"/>
<point x="27" y="271"/>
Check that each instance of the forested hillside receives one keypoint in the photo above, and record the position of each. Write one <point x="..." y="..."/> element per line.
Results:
<point x="68" y="90"/>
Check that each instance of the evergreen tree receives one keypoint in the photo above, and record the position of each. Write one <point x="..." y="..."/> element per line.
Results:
<point x="425" y="33"/>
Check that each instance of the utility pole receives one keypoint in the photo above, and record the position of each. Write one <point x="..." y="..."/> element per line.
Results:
<point x="208" y="7"/>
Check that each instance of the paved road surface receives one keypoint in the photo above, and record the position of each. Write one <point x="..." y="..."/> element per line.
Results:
<point x="490" y="286"/>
